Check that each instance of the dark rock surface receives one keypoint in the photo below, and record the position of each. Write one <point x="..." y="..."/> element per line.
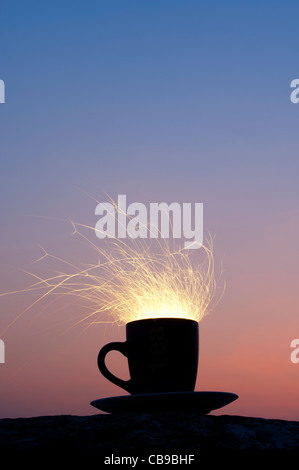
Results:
<point x="133" y="434"/>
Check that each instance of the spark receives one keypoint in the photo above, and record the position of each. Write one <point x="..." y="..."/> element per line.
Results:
<point x="133" y="280"/>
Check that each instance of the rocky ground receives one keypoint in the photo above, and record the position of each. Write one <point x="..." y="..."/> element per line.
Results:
<point x="171" y="433"/>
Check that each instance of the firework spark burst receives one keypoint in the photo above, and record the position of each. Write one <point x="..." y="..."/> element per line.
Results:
<point x="133" y="280"/>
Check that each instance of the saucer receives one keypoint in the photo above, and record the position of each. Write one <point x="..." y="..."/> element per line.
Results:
<point x="200" y="402"/>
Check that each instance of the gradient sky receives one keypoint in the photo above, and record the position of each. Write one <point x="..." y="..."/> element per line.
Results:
<point x="182" y="101"/>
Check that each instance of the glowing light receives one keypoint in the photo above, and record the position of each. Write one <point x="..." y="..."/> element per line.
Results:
<point x="135" y="280"/>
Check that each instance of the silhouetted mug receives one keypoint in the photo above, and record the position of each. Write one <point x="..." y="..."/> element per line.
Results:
<point x="162" y="356"/>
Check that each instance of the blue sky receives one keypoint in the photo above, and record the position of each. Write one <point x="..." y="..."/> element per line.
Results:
<point x="140" y="85"/>
<point x="158" y="100"/>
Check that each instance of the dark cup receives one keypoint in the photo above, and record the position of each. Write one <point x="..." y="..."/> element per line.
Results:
<point x="162" y="356"/>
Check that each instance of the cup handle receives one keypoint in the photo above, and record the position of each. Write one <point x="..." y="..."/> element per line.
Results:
<point x="116" y="346"/>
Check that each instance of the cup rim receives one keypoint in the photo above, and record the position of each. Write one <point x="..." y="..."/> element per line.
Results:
<point x="159" y="319"/>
